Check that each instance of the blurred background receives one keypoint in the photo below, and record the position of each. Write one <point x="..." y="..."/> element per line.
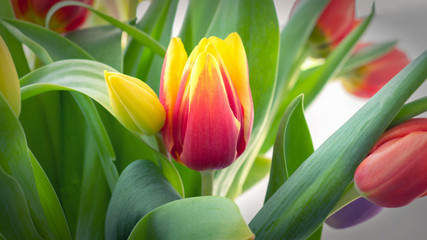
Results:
<point x="404" y="21"/>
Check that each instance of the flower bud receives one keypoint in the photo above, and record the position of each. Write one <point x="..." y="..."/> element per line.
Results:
<point x="9" y="81"/>
<point x="367" y="80"/>
<point x="64" y="20"/>
<point x="334" y="24"/>
<point x="208" y="103"/>
<point x="135" y="104"/>
<point x="354" y="213"/>
<point x="394" y="172"/>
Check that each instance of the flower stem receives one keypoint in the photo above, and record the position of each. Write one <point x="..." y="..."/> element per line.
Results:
<point x="207" y="182"/>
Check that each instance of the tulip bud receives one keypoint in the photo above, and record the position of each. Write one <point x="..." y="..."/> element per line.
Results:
<point x="394" y="173"/>
<point x="9" y="81"/>
<point x="354" y="213"/>
<point x="336" y="21"/>
<point x="64" y="20"/>
<point x="208" y="103"/>
<point x="135" y="104"/>
<point x="367" y="80"/>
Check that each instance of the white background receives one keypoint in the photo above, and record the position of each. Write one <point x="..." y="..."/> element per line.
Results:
<point x="402" y="20"/>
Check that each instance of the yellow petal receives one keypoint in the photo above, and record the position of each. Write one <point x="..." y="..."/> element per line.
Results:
<point x="9" y="81"/>
<point x="135" y="104"/>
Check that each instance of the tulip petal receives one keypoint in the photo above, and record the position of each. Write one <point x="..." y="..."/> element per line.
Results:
<point x="9" y="81"/>
<point x="173" y="65"/>
<point x="210" y="127"/>
<point x="393" y="175"/>
<point x="233" y="54"/>
<point x="135" y="104"/>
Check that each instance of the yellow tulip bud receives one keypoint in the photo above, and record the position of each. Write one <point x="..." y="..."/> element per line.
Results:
<point x="9" y="81"/>
<point x="135" y="104"/>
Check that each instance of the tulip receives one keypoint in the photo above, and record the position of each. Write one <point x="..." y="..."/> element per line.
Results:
<point x="208" y="102"/>
<point x="134" y="104"/>
<point x="367" y="80"/>
<point x="9" y="81"/>
<point x="64" y="20"/>
<point x="354" y="213"/>
<point x="395" y="171"/>
<point x="336" y="21"/>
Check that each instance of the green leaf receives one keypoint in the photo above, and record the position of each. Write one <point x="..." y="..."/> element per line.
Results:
<point x="141" y="61"/>
<point x="109" y="52"/>
<point x="197" y="19"/>
<point x="190" y="179"/>
<point x="367" y="55"/>
<point x="410" y="110"/>
<point x="194" y="218"/>
<point x="94" y="196"/>
<point x="141" y="36"/>
<point x="312" y="82"/>
<point x="302" y="203"/>
<point x="15" y="161"/>
<point x="260" y="169"/>
<point x="140" y="189"/>
<point x="256" y="23"/>
<point x="15" y="218"/>
<point x="293" y="145"/>
<point x="103" y="144"/>
<point x="15" y="47"/>
<point x="39" y="38"/>
<point x="49" y="201"/>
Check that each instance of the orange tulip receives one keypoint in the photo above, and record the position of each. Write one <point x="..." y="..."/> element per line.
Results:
<point x="395" y="172"/>
<point x="208" y="102"/>
<point x="64" y="20"/>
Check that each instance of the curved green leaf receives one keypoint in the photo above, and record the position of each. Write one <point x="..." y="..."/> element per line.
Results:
<point x="410" y="110"/>
<point x="260" y="169"/>
<point x="15" y="218"/>
<point x="293" y="145"/>
<point x="256" y="23"/>
<point x="56" y="45"/>
<point x="194" y="218"/>
<point x="141" y="36"/>
<point x="301" y="204"/>
<point x="140" y="189"/>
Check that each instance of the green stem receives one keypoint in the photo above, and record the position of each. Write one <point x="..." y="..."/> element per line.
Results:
<point x="350" y="195"/>
<point x="133" y="4"/>
<point x="207" y="182"/>
<point x="296" y="67"/>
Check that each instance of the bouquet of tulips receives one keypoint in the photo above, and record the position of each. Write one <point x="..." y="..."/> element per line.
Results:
<point x="115" y="129"/>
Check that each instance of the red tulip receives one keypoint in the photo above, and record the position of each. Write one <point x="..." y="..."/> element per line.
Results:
<point x="395" y="172"/>
<point x="369" y="79"/>
<point x="336" y="21"/>
<point x="208" y="102"/>
<point x="64" y="20"/>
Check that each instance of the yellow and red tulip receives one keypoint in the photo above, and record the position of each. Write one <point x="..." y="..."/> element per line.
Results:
<point x="64" y="20"/>
<point x="135" y="104"/>
<point x="9" y="81"/>
<point x="334" y="24"/>
<point x="395" y="172"/>
<point x="367" y="80"/>
<point x="208" y="102"/>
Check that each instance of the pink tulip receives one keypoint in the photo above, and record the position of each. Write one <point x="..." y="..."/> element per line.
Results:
<point x="395" y="172"/>
<point x="334" y="24"/>
<point x="208" y="102"/>
<point x="64" y="20"/>
<point x="369" y="79"/>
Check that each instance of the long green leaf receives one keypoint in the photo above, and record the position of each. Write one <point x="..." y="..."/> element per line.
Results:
<point x="301" y="204"/>
<point x="256" y="23"/>
<point x="293" y="145"/>
<point x="91" y="214"/>
<point x="260" y="169"/>
<point x="57" y="46"/>
<point x="410" y="110"/>
<point x="140" y="189"/>
<point x="194" y="218"/>
<point x="15" y="218"/>
<point x="141" y="36"/>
